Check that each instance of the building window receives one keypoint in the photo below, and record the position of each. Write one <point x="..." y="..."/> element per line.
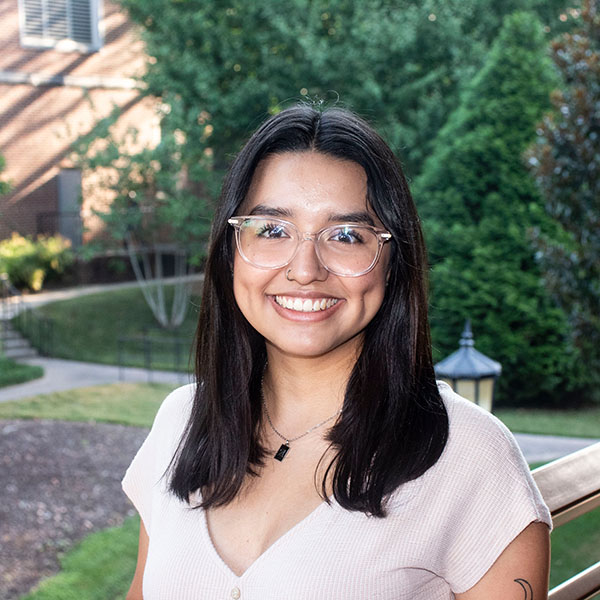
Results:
<point x="62" y="24"/>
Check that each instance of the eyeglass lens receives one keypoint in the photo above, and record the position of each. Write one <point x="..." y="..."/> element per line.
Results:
<point x="343" y="249"/>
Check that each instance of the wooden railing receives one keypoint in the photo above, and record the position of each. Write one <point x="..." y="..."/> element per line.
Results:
<point x="571" y="487"/>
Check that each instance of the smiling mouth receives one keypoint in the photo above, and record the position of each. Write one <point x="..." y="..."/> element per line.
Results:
<point x="306" y="305"/>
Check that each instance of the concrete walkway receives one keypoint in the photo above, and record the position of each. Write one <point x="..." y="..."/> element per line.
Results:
<point x="544" y="448"/>
<point x="63" y="375"/>
<point x="60" y="375"/>
<point x="41" y="298"/>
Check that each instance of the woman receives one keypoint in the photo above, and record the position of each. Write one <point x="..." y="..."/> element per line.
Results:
<point x="317" y="458"/>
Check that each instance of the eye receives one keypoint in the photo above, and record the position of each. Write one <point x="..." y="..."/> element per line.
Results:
<point x="271" y="231"/>
<point x="346" y="235"/>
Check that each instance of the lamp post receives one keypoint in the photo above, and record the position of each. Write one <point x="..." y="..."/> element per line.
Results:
<point x="469" y="372"/>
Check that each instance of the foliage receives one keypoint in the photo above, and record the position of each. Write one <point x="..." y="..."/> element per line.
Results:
<point x="87" y="328"/>
<point x="565" y="160"/>
<point x="4" y="185"/>
<point x="478" y="203"/>
<point x="152" y="202"/>
<point x="100" y="567"/>
<point x="219" y="68"/>
<point x="223" y="66"/>
<point x="125" y="403"/>
<point x="29" y="263"/>
<point x="12" y="373"/>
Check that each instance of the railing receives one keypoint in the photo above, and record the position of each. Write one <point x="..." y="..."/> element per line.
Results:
<point x="38" y="329"/>
<point x="571" y="487"/>
<point x="11" y="303"/>
<point x="154" y="352"/>
<point x="13" y="308"/>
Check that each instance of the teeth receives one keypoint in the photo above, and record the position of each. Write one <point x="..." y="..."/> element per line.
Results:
<point x="306" y="305"/>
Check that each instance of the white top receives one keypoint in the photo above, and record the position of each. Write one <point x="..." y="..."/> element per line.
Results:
<point x="442" y="533"/>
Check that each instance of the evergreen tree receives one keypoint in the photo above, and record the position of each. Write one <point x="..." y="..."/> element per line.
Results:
<point x="566" y="163"/>
<point x="478" y="203"/>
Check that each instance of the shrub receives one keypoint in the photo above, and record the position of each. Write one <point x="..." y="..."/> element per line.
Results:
<point x="29" y="263"/>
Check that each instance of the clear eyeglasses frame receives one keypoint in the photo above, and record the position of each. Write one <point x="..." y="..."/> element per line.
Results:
<point x="345" y="249"/>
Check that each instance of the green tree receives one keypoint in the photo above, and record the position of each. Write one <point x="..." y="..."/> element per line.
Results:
<point x="228" y="64"/>
<point x="478" y="202"/>
<point x="219" y="68"/>
<point x="565" y="160"/>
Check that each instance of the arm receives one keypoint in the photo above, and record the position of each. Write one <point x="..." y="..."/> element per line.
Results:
<point x="135" y="591"/>
<point x="520" y="572"/>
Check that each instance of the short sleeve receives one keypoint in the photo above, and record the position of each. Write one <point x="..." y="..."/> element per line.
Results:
<point x="487" y="491"/>
<point x="144" y="480"/>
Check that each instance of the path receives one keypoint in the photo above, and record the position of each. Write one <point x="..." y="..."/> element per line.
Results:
<point x="62" y="375"/>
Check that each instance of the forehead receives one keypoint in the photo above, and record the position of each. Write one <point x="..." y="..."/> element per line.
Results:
<point x="308" y="183"/>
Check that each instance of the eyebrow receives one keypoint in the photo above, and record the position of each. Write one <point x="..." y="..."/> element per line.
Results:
<point x="360" y="216"/>
<point x="270" y="211"/>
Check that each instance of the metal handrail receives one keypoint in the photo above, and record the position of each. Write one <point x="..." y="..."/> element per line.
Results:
<point x="148" y="344"/>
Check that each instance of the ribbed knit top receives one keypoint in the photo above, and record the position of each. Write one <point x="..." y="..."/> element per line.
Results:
<point x="442" y="533"/>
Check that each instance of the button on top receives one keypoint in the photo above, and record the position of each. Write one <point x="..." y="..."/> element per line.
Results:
<point x="235" y="593"/>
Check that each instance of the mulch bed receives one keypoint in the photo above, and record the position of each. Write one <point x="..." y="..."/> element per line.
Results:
<point x="59" y="481"/>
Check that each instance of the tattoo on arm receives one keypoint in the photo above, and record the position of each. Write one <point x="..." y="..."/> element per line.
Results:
<point x="526" y="588"/>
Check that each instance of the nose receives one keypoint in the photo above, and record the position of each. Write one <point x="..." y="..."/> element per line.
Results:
<point x="306" y="266"/>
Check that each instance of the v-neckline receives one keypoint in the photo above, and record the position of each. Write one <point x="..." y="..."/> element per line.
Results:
<point x="279" y="541"/>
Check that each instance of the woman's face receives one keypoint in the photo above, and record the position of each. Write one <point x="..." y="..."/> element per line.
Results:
<point x="313" y="191"/>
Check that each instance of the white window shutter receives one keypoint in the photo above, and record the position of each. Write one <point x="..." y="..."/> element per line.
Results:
<point x="34" y="18"/>
<point x="59" y="20"/>
<point x="81" y="21"/>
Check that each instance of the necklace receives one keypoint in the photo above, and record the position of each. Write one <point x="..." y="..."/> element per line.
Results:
<point x="285" y="447"/>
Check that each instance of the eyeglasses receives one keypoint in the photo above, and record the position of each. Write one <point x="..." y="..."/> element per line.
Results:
<point x="348" y="250"/>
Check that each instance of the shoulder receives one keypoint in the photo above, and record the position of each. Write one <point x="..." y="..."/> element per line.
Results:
<point x="482" y="466"/>
<point x="173" y="414"/>
<point x="177" y="402"/>
<point x="475" y="434"/>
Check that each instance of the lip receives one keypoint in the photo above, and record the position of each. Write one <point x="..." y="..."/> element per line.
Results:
<point x="312" y="317"/>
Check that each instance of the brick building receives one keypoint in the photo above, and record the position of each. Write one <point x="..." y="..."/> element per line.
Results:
<point x="63" y="65"/>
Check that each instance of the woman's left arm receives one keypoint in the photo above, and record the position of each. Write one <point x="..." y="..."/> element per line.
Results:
<point x="520" y="572"/>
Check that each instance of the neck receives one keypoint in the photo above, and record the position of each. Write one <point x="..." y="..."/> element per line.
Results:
<point x="301" y="391"/>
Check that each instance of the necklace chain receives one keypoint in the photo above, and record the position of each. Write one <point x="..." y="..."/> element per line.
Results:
<point x="285" y="447"/>
<point x="290" y="440"/>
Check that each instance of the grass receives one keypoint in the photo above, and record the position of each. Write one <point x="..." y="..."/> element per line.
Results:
<point x="575" y="546"/>
<point x="12" y="373"/>
<point x="125" y="403"/>
<point x="87" y="328"/>
<point x="576" y="423"/>
<point x="99" y="568"/>
<point x="102" y="565"/>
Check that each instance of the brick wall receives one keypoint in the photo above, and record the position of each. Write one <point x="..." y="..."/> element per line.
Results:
<point x="38" y="122"/>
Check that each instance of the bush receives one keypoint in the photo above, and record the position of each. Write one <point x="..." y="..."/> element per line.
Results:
<point x="29" y="263"/>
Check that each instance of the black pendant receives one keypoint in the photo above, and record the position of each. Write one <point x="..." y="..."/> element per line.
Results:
<point x="283" y="450"/>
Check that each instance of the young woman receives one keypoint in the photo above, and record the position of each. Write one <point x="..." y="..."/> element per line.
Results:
<point x="316" y="458"/>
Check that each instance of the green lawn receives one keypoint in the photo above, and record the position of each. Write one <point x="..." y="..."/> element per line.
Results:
<point x="576" y="423"/>
<point x="87" y="328"/>
<point x="101" y="566"/>
<point x="12" y="373"/>
<point x="575" y="545"/>
<point x="126" y="403"/>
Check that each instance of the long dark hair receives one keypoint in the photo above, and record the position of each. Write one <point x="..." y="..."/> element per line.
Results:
<point x="394" y="425"/>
